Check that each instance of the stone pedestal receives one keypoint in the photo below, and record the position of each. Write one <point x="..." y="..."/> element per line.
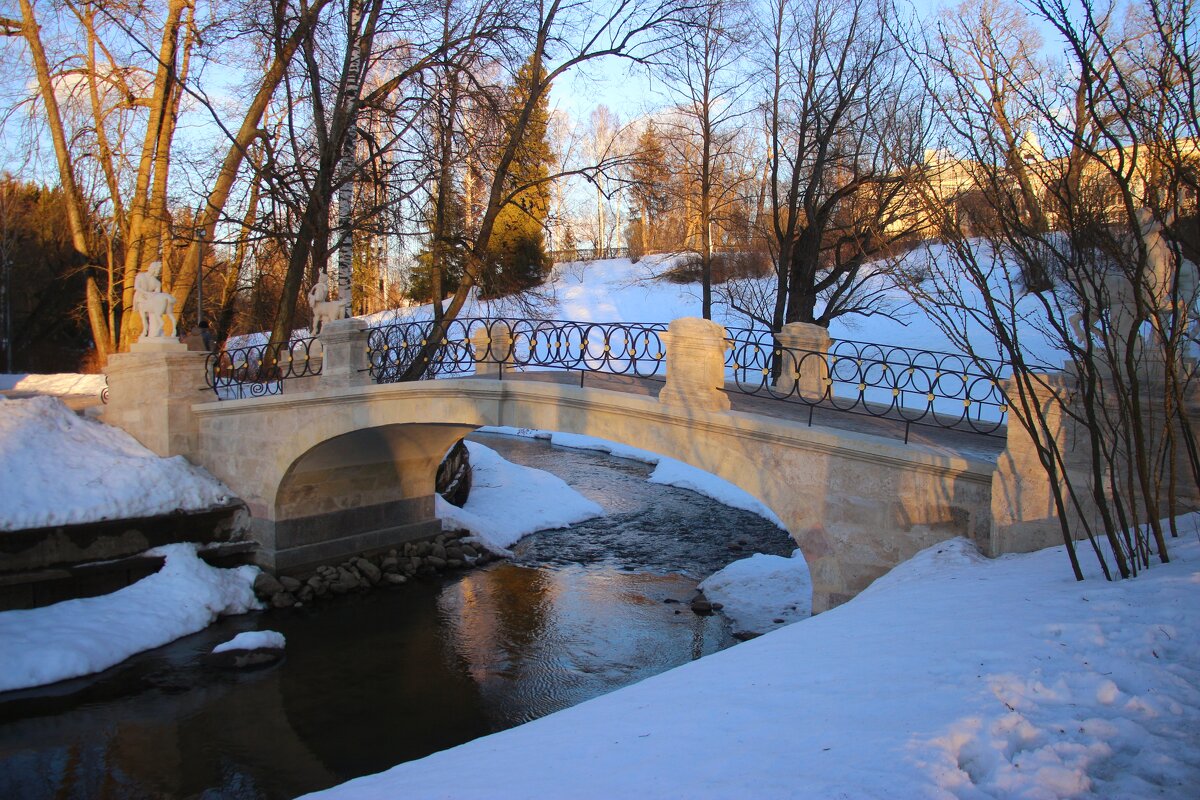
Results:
<point x="695" y="365"/>
<point x="806" y="368"/>
<point x="343" y="348"/>
<point x="151" y="390"/>
<point x="1024" y="517"/>
<point x="492" y="348"/>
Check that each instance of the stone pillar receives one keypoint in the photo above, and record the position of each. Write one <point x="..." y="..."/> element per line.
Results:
<point x="1024" y="517"/>
<point x="151" y="390"/>
<point x="695" y="365"/>
<point x="492" y="347"/>
<point x="806" y="369"/>
<point x="344" y="350"/>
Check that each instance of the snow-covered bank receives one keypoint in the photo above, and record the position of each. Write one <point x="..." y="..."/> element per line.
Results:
<point x="667" y="471"/>
<point x="60" y="468"/>
<point x="509" y="501"/>
<point x="952" y="677"/>
<point x="79" y="637"/>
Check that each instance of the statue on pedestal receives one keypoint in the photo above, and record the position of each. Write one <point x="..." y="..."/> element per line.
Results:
<point x="152" y="304"/>
<point x="323" y="309"/>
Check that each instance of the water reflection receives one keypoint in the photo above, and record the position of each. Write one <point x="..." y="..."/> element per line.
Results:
<point x="374" y="680"/>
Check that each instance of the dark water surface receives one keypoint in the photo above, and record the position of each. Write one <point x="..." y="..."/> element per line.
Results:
<point x="372" y="680"/>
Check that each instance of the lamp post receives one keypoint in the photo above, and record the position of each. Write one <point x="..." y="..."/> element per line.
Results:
<point x="199" y="276"/>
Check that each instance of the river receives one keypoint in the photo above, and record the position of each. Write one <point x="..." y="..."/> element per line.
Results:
<point x="373" y="680"/>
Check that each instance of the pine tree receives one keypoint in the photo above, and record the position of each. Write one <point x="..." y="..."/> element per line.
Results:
<point x="517" y="250"/>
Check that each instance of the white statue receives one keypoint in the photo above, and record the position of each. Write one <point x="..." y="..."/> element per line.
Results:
<point x="323" y="309"/>
<point x="1166" y="289"/>
<point x="152" y="304"/>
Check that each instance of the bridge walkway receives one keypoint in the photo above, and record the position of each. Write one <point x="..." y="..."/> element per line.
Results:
<point x="940" y="440"/>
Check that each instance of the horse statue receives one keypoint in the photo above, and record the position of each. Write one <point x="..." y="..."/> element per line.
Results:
<point x="323" y="309"/>
<point x="152" y="304"/>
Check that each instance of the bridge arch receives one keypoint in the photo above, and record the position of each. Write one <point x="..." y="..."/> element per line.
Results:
<point x="855" y="504"/>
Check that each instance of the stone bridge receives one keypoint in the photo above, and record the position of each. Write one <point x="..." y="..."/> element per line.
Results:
<point x="343" y="465"/>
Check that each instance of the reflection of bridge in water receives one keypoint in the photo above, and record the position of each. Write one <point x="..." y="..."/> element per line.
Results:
<point x="337" y="463"/>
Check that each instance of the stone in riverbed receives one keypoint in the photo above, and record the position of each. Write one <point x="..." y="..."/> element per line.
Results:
<point x="468" y="551"/>
<point x="702" y="607"/>
<point x="394" y="579"/>
<point x="283" y="599"/>
<point x="289" y="583"/>
<point x="454" y="553"/>
<point x="369" y="570"/>
<point x="455" y="563"/>
<point x="265" y="585"/>
<point x="436" y="562"/>
<point x="438" y="551"/>
<point x="389" y="564"/>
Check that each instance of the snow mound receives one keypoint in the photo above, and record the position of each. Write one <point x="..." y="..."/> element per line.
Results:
<point x="509" y="501"/>
<point x="60" y="468"/>
<point x="253" y="640"/>
<point x="762" y="592"/>
<point x="79" y="637"/>
<point x="668" y="471"/>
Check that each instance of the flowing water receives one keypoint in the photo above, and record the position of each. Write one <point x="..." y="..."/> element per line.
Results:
<point x="372" y="680"/>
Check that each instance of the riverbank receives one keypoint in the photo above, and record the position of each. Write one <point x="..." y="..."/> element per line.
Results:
<point x="954" y="676"/>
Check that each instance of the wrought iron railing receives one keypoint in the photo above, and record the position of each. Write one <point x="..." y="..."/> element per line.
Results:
<point x="909" y="385"/>
<point x="634" y="349"/>
<point x="260" y="370"/>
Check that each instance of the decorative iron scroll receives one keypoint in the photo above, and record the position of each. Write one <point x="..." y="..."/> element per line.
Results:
<point x="613" y="347"/>
<point x="260" y="370"/>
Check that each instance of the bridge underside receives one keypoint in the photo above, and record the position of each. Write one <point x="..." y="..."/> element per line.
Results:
<point x="362" y="491"/>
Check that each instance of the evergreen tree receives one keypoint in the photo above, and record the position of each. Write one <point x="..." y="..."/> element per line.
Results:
<point x="445" y="253"/>
<point x="517" y="249"/>
<point x="650" y="178"/>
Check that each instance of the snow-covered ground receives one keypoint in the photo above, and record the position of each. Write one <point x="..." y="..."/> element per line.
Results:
<point x="62" y="384"/>
<point x="79" y="637"/>
<point x="954" y="676"/>
<point x="59" y="468"/>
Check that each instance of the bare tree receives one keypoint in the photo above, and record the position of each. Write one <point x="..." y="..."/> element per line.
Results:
<point x="1111" y="430"/>
<point x="708" y="72"/>
<point x="845" y="135"/>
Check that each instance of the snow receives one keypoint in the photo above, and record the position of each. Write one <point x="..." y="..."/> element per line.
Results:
<point x="954" y="676"/>
<point x="762" y="592"/>
<point x="253" y="640"/>
<point x="509" y="501"/>
<point x="668" y="471"/>
<point x="60" y="468"/>
<point x="79" y="637"/>
<point x="61" y="384"/>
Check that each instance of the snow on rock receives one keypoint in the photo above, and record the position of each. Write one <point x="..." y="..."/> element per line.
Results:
<point x="954" y="677"/>
<point x="79" y="637"/>
<point x="60" y="468"/>
<point x="59" y="384"/>
<point x="668" y="471"/>
<point x="509" y="501"/>
<point x="762" y="592"/>
<point x="253" y="640"/>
